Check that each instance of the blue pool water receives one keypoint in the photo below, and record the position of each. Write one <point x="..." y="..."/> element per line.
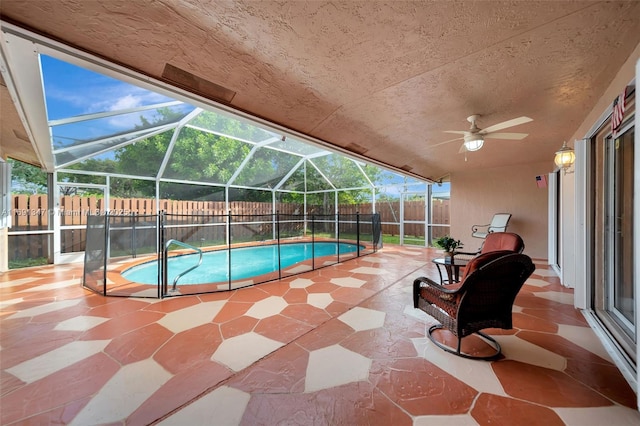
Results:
<point x="246" y="262"/>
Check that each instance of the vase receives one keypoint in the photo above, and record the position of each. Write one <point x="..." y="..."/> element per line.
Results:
<point x="448" y="257"/>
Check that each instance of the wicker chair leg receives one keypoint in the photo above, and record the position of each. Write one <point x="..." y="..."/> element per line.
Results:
<point x="490" y="340"/>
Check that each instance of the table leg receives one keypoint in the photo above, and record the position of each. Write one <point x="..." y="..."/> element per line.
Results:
<point x="449" y="273"/>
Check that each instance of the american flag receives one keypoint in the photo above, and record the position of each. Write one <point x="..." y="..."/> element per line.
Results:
<point x="618" y="112"/>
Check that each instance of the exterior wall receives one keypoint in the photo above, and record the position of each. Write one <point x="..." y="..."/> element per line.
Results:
<point x="478" y="194"/>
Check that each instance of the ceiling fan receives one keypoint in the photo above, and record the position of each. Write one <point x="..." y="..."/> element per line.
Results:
<point x="474" y="137"/>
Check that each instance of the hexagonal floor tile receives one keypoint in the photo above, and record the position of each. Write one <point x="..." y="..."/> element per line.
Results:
<point x="335" y="366"/>
<point x="363" y="319"/>
<point x="348" y="282"/>
<point x="272" y="305"/>
<point x="241" y="351"/>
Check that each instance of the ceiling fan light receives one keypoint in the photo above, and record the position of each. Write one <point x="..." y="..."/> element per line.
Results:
<point x="473" y="143"/>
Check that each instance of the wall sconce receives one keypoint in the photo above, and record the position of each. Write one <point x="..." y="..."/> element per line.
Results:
<point x="565" y="157"/>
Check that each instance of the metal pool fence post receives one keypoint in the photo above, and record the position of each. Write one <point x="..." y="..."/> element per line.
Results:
<point x="162" y="250"/>
<point x="134" y="242"/>
<point x="229" y="238"/>
<point x="106" y="251"/>
<point x="338" y="235"/>
<point x="358" y="233"/>
<point x="278" y="233"/>
<point x="313" y="242"/>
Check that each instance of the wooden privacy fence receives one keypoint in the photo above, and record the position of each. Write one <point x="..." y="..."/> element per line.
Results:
<point x="31" y="213"/>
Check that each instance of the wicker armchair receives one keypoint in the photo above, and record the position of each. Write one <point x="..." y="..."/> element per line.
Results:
<point x="482" y="299"/>
<point x="495" y="241"/>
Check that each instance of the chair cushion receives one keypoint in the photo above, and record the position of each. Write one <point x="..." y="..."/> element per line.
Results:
<point x="481" y="260"/>
<point x="503" y="241"/>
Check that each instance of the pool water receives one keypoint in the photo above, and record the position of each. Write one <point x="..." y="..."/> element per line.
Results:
<point x="246" y="262"/>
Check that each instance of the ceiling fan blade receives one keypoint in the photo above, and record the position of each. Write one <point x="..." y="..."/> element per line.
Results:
<point x="463" y="149"/>
<point x="456" y="132"/>
<point x="445" y="142"/>
<point x="512" y="136"/>
<point x="505" y="124"/>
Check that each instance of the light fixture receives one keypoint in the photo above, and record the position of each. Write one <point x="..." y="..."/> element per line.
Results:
<point x="473" y="142"/>
<point x="565" y="157"/>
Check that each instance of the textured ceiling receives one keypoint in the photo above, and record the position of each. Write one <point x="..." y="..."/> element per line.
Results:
<point x="382" y="79"/>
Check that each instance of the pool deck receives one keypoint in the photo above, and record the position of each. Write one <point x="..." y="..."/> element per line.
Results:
<point x="341" y="345"/>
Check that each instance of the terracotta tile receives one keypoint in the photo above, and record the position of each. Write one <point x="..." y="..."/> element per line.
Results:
<point x="61" y="314"/>
<point x="9" y="382"/>
<point x="189" y="347"/>
<point x="281" y="328"/>
<point x="16" y="331"/>
<point x="334" y="272"/>
<point x="66" y="386"/>
<point x="116" y="309"/>
<point x="331" y="333"/>
<point x="353" y="404"/>
<point x="281" y="372"/>
<point x="237" y="326"/>
<point x="275" y="288"/>
<point x="493" y="409"/>
<point x="172" y="304"/>
<point x="379" y="343"/>
<point x="529" y="322"/>
<point x="352" y="296"/>
<point x="249" y="295"/>
<point x="604" y="378"/>
<point x="545" y="386"/>
<point x="214" y="297"/>
<point x="336" y="309"/>
<point x="322" y="287"/>
<point x="231" y="310"/>
<point x="138" y="344"/>
<point x="179" y="390"/>
<point x="295" y="295"/>
<point x="559" y="315"/>
<point x="306" y="313"/>
<point x="121" y="324"/>
<point x="35" y="345"/>
<point x="404" y="325"/>
<point x="421" y="388"/>
<point x="562" y="346"/>
<point x="62" y="415"/>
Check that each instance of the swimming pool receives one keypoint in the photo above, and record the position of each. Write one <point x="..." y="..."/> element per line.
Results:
<point x="246" y="262"/>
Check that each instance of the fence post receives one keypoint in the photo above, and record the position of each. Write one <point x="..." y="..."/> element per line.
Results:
<point x="338" y="235"/>
<point x="278" y="232"/>
<point x="134" y="242"/>
<point x="229" y="244"/>
<point x="105" y="256"/>
<point x="162" y="289"/>
<point x="313" y="242"/>
<point x="358" y="233"/>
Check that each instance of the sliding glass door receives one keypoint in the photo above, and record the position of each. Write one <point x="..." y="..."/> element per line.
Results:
<point x="614" y="298"/>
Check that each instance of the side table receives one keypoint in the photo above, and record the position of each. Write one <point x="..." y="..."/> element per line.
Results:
<point x="452" y="267"/>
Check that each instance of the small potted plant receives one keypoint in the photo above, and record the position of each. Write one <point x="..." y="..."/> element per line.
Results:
<point x="448" y="244"/>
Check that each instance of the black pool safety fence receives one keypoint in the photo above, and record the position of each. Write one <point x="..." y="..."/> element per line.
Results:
<point x="178" y="254"/>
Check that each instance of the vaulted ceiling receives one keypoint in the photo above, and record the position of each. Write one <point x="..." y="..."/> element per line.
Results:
<point x="380" y="79"/>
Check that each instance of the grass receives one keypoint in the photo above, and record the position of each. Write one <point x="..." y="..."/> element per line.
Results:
<point x="25" y="263"/>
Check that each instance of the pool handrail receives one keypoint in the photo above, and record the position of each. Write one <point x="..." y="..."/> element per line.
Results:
<point x="187" y="246"/>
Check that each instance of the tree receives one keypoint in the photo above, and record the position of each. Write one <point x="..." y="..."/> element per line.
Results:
<point x="27" y="179"/>
<point x="203" y="152"/>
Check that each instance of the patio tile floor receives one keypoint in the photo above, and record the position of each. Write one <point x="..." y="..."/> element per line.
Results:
<point x="340" y="345"/>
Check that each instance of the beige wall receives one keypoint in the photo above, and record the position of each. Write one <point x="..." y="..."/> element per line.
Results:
<point x="477" y="195"/>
